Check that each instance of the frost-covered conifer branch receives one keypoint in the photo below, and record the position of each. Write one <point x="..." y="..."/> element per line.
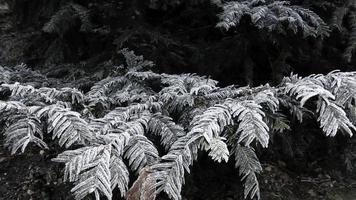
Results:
<point x="113" y="124"/>
<point x="273" y="16"/>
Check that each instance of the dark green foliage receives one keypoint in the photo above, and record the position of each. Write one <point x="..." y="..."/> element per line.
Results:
<point x="172" y="33"/>
<point x="346" y="13"/>
<point x="68" y="18"/>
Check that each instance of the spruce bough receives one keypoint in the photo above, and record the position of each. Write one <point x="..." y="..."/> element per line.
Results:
<point x="108" y="131"/>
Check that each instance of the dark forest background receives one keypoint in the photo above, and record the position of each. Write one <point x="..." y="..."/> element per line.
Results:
<point x="69" y="39"/>
<point x="179" y="36"/>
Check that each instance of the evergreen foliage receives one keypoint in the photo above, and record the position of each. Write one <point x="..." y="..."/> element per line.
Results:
<point x="68" y="17"/>
<point x="273" y="16"/>
<point x="346" y="12"/>
<point x="124" y="121"/>
<point x="109" y="131"/>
